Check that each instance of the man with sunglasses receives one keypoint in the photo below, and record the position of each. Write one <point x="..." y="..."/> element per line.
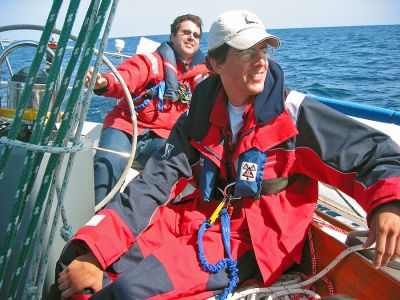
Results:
<point x="161" y="84"/>
<point x="255" y="157"/>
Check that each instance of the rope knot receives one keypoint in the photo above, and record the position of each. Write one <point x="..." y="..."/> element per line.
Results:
<point x="66" y="233"/>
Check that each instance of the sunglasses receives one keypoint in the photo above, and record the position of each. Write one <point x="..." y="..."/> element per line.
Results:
<point x="189" y="32"/>
<point x="250" y="54"/>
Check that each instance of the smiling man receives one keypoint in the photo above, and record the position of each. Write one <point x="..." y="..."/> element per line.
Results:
<point x="171" y="72"/>
<point x="255" y="157"/>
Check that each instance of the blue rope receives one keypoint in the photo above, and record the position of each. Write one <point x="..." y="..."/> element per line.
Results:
<point x="160" y="93"/>
<point x="226" y="262"/>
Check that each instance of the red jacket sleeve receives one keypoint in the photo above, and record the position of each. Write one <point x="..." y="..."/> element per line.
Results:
<point x="107" y="236"/>
<point x="137" y="72"/>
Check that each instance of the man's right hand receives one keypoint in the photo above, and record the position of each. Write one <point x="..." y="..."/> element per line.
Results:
<point x="101" y="81"/>
<point x="83" y="272"/>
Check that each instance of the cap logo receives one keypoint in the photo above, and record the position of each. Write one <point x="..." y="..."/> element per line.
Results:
<point x="247" y="20"/>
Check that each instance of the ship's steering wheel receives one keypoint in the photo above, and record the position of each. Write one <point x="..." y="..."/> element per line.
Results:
<point x="106" y="61"/>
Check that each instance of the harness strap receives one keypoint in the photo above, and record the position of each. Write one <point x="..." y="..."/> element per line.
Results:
<point x="170" y="73"/>
<point x="149" y="95"/>
<point x="276" y="185"/>
<point x="269" y="186"/>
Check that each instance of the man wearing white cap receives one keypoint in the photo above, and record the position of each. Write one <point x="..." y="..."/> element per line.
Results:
<point x="247" y="150"/>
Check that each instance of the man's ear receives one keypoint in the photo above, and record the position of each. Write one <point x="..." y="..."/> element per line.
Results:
<point x="172" y="37"/>
<point x="215" y="65"/>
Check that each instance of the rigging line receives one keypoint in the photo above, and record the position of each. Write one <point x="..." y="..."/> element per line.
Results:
<point x="61" y="138"/>
<point x="64" y="84"/>
<point x="15" y="125"/>
<point x="32" y="159"/>
<point x="348" y="203"/>
<point x="85" y="108"/>
<point x="12" y="226"/>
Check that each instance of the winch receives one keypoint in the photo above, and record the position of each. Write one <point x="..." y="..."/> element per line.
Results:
<point x="15" y="88"/>
<point x="16" y="84"/>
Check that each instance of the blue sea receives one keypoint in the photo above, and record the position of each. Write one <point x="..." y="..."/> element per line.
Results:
<point x="357" y="64"/>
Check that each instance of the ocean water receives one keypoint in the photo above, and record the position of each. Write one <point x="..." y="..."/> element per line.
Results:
<point x="357" y="64"/>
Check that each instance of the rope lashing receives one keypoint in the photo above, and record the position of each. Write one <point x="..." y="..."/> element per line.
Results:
<point x="40" y="148"/>
<point x="66" y="230"/>
<point x="41" y="49"/>
<point x="66" y="233"/>
<point x="14" y="128"/>
<point x="230" y="264"/>
<point x="61" y="139"/>
<point x="37" y="273"/>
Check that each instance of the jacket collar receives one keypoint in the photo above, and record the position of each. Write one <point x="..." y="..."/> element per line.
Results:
<point x="219" y="114"/>
<point x="269" y="103"/>
<point x="198" y="58"/>
<point x="209" y="103"/>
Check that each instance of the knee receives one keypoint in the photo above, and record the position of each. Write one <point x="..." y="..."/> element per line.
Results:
<point x="108" y="162"/>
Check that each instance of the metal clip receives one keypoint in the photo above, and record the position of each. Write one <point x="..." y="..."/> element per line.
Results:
<point x="226" y="199"/>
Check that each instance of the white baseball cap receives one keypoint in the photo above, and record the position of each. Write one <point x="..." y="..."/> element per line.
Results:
<point x="240" y="29"/>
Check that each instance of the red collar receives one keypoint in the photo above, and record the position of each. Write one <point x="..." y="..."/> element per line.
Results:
<point x="219" y="114"/>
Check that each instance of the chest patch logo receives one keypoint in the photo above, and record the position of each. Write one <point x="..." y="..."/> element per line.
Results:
<point x="167" y="151"/>
<point x="248" y="171"/>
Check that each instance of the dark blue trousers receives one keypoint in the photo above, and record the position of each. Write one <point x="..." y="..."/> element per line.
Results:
<point x="108" y="167"/>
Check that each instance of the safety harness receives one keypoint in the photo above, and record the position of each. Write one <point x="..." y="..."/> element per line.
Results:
<point x="170" y="88"/>
<point x="228" y="262"/>
<point x="249" y="183"/>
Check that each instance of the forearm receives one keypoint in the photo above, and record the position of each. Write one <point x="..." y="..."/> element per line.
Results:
<point x="106" y="235"/>
<point x="353" y="157"/>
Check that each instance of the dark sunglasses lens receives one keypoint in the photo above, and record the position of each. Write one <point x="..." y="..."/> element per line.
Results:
<point x="189" y="32"/>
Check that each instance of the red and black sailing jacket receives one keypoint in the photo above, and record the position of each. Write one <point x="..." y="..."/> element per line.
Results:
<point x="304" y="142"/>
<point x="140" y="73"/>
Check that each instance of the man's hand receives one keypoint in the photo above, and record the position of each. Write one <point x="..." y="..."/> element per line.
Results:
<point x="385" y="231"/>
<point x="83" y="272"/>
<point x="101" y="81"/>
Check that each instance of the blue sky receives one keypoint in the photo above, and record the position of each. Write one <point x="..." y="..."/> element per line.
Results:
<point x="133" y="18"/>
